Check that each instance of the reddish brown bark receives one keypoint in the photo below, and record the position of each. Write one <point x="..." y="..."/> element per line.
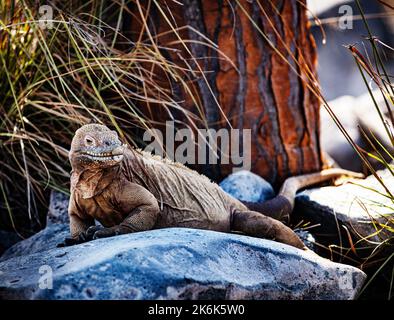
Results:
<point x="265" y="94"/>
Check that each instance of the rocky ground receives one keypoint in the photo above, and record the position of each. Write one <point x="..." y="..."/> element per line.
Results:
<point x="353" y="207"/>
<point x="171" y="264"/>
<point x="195" y="264"/>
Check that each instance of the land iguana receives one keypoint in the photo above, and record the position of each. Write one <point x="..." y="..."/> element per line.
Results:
<point x="128" y="190"/>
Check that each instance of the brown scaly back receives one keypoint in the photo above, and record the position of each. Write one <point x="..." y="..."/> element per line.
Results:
<point x="169" y="162"/>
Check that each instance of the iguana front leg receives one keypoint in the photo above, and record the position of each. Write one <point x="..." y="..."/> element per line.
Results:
<point x="141" y="206"/>
<point x="79" y="224"/>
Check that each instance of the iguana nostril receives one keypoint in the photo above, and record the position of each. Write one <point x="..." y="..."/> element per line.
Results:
<point x="107" y="143"/>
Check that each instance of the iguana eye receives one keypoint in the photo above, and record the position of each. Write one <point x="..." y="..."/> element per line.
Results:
<point x="89" y="141"/>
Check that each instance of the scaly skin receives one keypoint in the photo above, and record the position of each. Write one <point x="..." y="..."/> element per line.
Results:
<point x="129" y="190"/>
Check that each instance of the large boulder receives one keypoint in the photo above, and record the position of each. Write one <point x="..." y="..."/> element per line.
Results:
<point x="247" y="186"/>
<point x="57" y="214"/>
<point x="58" y="208"/>
<point x="44" y="240"/>
<point x="173" y="264"/>
<point x="359" y="209"/>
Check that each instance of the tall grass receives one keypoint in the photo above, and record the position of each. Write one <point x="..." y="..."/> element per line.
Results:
<point x="372" y="68"/>
<point x="371" y="64"/>
<point x="55" y="79"/>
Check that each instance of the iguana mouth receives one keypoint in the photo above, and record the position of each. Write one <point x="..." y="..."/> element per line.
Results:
<point x="103" y="156"/>
<point x="114" y="155"/>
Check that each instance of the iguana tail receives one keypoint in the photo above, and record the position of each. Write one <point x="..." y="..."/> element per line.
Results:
<point x="282" y="205"/>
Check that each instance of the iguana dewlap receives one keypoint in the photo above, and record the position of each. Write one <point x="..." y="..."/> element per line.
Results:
<point x="129" y="190"/>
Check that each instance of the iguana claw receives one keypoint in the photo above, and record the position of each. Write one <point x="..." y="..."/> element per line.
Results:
<point x="69" y="242"/>
<point x="91" y="232"/>
<point x="105" y="233"/>
<point x="83" y="237"/>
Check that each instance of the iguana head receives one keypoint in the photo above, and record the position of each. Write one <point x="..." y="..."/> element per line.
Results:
<point x="95" y="146"/>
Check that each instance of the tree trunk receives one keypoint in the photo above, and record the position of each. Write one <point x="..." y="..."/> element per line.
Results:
<point x="262" y="93"/>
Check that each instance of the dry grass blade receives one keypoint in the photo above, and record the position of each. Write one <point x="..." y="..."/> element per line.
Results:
<point x="56" y="79"/>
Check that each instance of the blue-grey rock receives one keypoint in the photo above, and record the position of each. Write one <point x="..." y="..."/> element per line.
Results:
<point x="42" y="241"/>
<point x="57" y="214"/>
<point x="176" y="264"/>
<point x="352" y="206"/>
<point x="58" y="208"/>
<point x="247" y="186"/>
